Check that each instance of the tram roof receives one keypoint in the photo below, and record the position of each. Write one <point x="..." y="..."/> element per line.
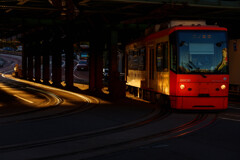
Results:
<point x="176" y="28"/>
<point x="168" y="31"/>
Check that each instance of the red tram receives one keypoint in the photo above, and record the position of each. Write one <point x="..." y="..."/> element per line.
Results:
<point x="185" y="66"/>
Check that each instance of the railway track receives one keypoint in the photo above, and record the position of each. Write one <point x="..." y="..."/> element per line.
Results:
<point x="110" y="140"/>
<point x="134" y="142"/>
<point x="232" y="113"/>
<point x="156" y="114"/>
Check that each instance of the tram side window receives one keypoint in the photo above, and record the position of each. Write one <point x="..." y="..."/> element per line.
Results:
<point x="129" y="59"/>
<point x="162" y="57"/>
<point x="165" y="57"/>
<point x="173" y="53"/>
<point x="142" y="59"/>
<point x="133" y="60"/>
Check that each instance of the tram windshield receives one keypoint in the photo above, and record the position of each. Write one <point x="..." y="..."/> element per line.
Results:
<point x="202" y="51"/>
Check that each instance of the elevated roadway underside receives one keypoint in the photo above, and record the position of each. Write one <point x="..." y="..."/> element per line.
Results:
<point x="20" y="16"/>
<point x="48" y="27"/>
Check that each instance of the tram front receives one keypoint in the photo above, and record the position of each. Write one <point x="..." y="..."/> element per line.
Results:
<point x="199" y="68"/>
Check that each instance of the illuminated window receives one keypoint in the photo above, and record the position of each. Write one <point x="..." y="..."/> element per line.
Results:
<point x="136" y="59"/>
<point x="162" y="57"/>
<point x="142" y="59"/>
<point x="151" y="64"/>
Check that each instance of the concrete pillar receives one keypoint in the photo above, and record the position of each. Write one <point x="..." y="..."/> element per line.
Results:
<point x="37" y="68"/>
<point x="96" y="62"/>
<point x="99" y="69"/>
<point x="116" y="87"/>
<point x="91" y="69"/>
<point x="46" y="72"/>
<point x="46" y="59"/>
<point x="30" y="67"/>
<point x="57" y="69"/>
<point x="24" y="61"/>
<point x="69" y="64"/>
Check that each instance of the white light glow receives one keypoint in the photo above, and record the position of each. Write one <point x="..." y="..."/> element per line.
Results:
<point x="182" y="86"/>
<point x="223" y="87"/>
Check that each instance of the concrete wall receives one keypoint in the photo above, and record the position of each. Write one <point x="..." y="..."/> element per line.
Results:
<point x="234" y="61"/>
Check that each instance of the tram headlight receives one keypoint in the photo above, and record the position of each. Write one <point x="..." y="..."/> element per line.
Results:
<point x="182" y="86"/>
<point x="223" y="86"/>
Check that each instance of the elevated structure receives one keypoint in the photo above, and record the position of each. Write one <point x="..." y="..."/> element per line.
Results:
<point x="47" y="27"/>
<point x="23" y="15"/>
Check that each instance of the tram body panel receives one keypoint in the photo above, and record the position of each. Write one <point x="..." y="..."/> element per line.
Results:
<point x="135" y="78"/>
<point x="196" y="85"/>
<point x="200" y="103"/>
<point x="197" y="92"/>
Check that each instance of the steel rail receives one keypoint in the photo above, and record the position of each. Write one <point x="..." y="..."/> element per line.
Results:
<point x="109" y="148"/>
<point x="157" y="114"/>
<point x="145" y="140"/>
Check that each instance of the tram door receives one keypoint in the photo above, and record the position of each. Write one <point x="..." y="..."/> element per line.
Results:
<point x="150" y="66"/>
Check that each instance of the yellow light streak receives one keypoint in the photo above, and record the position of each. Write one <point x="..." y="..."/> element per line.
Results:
<point x="22" y="2"/>
<point x="56" y="98"/>
<point x="75" y="94"/>
<point x="15" y="92"/>
<point x="88" y="100"/>
<point x="23" y="99"/>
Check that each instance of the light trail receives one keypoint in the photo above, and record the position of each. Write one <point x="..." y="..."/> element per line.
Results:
<point x="69" y="92"/>
<point x="56" y="98"/>
<point x="77" y="77"/>
<point x="23" y="98"/>
<point x="230" y="119"/>
<point x="88" y="100"/>
<point x="233" y="107"/>
<point x="235" y="115"/>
